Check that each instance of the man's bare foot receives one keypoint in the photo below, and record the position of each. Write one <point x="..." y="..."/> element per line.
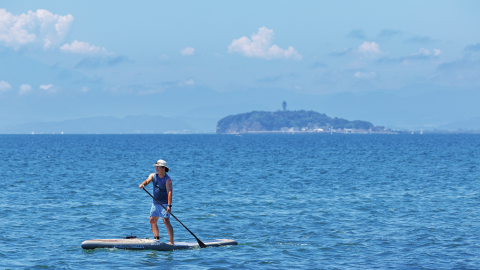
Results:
<point x="170" y="243"/>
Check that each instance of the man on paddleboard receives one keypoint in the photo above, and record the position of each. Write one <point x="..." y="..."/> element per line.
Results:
<point x="162" y="191"/>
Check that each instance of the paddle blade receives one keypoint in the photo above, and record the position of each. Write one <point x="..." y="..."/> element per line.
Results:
<point x="201" y="244"/>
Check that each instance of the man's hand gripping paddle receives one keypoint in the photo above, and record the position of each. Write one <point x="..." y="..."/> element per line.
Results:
<point x="200" y="243"/>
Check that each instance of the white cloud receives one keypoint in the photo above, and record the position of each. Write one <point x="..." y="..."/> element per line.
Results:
<point x="163" y="57"/>
<point x="259" y="46"/>
<point x="50" y="88"/>
<point x="187" y="51"/>
<point x="422" y="52"/>
<point x="24" y="89"/>
<point x="82" y="48"/>
<point x="4" y="86"/>
<point x="181" y="83"/>
<point x="365" y="75"/>
<point x="47" y="44"/>
<point x="41" y="27"/>
<point x="369" y="48"/>
<point x="46" y="86"/>
<point x="85" y="89"/>
<point x="189" y="82"/>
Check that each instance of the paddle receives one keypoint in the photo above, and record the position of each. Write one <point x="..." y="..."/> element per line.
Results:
<point x="200" y="243"/>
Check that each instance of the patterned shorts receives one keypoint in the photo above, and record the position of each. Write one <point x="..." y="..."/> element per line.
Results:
<point x="158" y="211"/>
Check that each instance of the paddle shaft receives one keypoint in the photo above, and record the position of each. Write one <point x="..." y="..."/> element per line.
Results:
<point x="200" y="243"/>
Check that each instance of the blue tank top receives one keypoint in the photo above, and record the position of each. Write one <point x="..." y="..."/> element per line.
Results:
<point x="160" y="189"/>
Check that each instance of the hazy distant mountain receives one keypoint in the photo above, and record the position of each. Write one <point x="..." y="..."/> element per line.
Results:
<point x="199" y="124"/>
<point x="105" y="125"/>
<point x="472" y="124"/>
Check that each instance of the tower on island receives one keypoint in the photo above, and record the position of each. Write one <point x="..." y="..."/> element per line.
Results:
<point x="284" y="105"/>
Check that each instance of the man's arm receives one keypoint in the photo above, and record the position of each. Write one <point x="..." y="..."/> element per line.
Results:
<point x="146" y="182"/>
<point x="169" y="187"/>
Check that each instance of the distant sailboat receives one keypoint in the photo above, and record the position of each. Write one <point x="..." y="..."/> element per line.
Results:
<point x="421" y="131"/>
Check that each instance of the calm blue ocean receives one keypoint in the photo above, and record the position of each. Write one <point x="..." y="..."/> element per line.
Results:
<point x="291" y="201"/>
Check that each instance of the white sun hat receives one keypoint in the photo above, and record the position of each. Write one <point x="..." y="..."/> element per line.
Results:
<point x="161" y="163"/>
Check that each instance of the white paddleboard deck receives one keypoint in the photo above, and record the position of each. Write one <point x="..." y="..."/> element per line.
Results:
<point x="153" y="244"/>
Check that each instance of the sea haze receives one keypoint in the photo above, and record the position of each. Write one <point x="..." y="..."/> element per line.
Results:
<point x="140" y="124"/>
<point x="338" y="201"/>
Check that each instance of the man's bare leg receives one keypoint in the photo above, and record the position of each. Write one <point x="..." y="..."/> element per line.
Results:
<point x="153" y="224"/>
<point x="166" y="221"/>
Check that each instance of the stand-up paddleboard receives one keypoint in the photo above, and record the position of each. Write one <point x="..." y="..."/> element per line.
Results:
<point x="139" y="244"/>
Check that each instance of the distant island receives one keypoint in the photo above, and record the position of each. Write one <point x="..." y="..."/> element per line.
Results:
<point x="289" y="121"/>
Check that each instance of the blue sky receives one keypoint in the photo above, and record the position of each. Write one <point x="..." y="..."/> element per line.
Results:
<point x="62" y="51"/>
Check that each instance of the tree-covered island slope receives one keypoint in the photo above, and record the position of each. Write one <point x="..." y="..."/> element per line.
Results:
<point x="285" y="121"/>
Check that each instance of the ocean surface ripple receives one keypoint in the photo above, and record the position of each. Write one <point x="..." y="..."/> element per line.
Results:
<point x="291" y="201"/>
